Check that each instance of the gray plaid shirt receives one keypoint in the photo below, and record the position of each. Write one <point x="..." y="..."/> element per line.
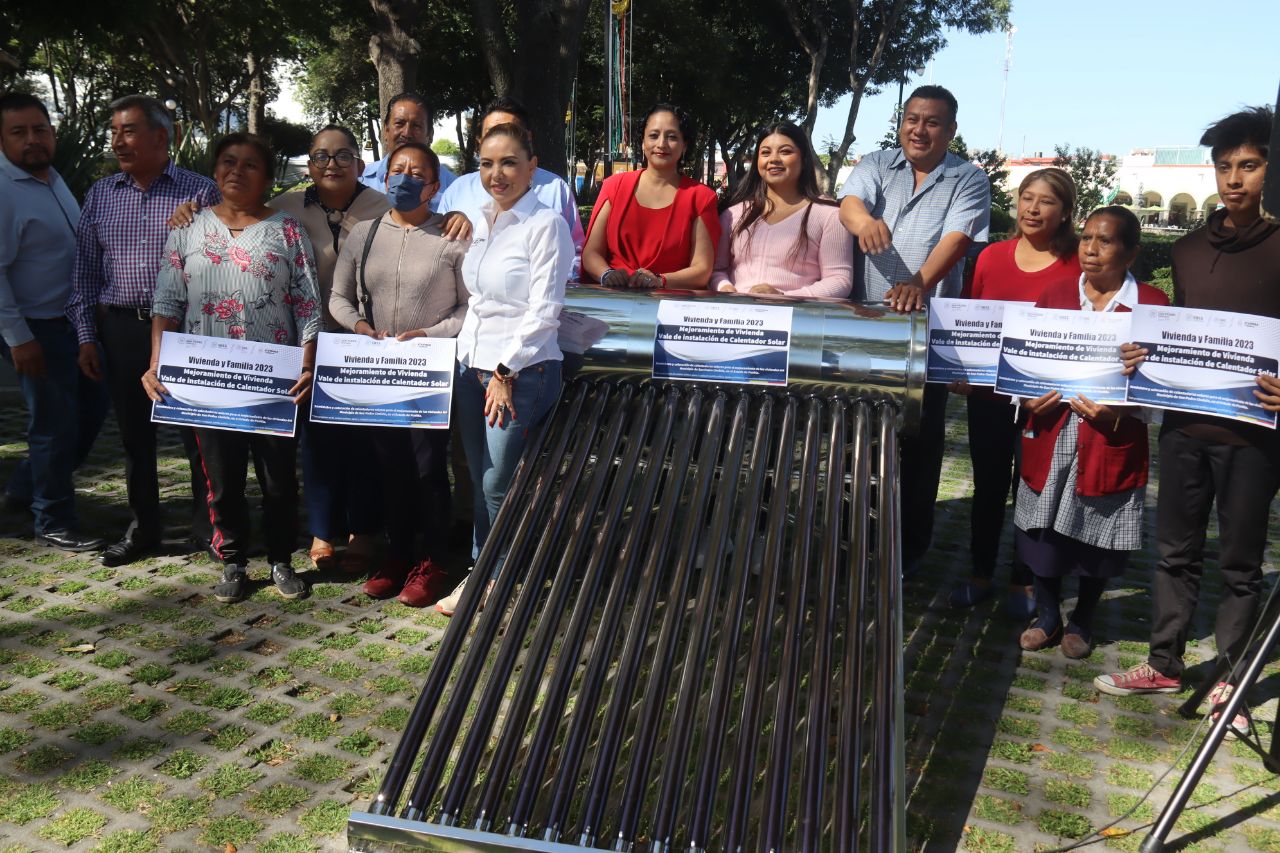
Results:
<point x="956" y="197"/>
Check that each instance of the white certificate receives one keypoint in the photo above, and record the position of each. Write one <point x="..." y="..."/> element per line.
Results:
<point x="1204" y="361"/>
<point x="366" y="381"/>
<point x="964" y="339"/>
<point x="1076" y="353"/>
<point x="707" y="341"/>
<point x="223" y="383"/>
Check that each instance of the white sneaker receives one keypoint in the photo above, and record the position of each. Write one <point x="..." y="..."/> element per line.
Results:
<point x="449" y="603"/>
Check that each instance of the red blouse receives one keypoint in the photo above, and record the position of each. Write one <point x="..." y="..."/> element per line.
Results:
<point x="657" y="239"/>
<point x="996" y="275"/>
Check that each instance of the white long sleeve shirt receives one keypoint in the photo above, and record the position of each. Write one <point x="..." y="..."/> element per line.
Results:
<point x="515" y="272"/>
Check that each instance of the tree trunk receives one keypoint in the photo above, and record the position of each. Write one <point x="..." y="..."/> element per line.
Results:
<point x="858" y="83"/>
<point x="464" y="162"/>
<point x="540" y="68"/>
<point x="816" y="49"/>
<point x="393" y="50"/>
<point x="257" y="117"/>
<point x="816" y="61"/>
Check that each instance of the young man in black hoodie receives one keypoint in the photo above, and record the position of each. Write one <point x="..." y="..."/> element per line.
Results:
<point x="1232" y="263"/>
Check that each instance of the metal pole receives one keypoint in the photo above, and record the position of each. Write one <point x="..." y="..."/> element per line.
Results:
<point x="742" y="781"/>
<point x="730" y="635"/>
<point x="516" y="716"/>
<point x="610" y="741"/>
<point x="888" y="792"/>
<point x="821" y="675"/>
<point x="1154" y="842"/>
<point x="778" y="773"/>
<point x="513" y="567"/>
<point x="456" y="634"/>
<point x="629" y="565"/>
<point x="848" y="812"/>
<point x="533" y="576"/>
<point x="609" y="119"/>
<point x="655" y="697"/>
<point x="676" y="759"/>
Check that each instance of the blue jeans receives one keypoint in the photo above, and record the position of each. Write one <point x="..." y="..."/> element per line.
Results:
<point x="65" y="410"/>
<point x="340" y="479"/>
<point x="493" y="451"/>
<point x="92" y="404"/>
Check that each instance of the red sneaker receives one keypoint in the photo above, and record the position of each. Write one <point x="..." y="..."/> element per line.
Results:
<point x="388" y="579"/>
<point x="426" y="584"/>
<point x="1141" y="679"/>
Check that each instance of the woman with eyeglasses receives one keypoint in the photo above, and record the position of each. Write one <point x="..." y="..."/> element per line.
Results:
<point x="338" y="470"/>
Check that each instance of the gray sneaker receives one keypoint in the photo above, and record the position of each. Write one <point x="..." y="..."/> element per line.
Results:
<point x="234" y="583"/>
<point x="288" y="584"/>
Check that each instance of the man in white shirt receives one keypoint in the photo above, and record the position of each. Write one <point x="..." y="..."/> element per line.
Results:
<point x="407" y="120"/>
<point x="466" y="196"/>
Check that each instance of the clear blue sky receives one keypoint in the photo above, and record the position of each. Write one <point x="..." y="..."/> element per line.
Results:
<point x="1105" y="74"/>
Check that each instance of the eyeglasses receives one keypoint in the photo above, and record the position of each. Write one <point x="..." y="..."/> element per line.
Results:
<point x="342" y="158"/>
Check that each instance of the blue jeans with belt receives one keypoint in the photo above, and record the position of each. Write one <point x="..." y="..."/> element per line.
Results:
<point x="64" y="413"/>
<point x="493" y="451"/>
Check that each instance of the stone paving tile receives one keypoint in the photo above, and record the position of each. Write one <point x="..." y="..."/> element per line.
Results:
<point x="136" y="714"/>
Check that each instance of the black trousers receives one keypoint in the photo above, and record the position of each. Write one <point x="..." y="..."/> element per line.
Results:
<point x="919" y="471"/>
<point x="1193" y="473"/>
<point x="414" y="469"/>
<point x="226" y="457"/>
<point x="993" y="449"/>
<point x="126" y="340"/>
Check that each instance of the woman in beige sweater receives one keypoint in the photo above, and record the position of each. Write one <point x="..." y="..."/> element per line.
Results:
<point x="410" y="286"/>
<point x="343" y="501"/>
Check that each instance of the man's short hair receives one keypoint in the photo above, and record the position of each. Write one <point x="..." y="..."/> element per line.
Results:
<point x="405" y="96"/>
<point x="156" y="115"/>
<point x="510" y="106"/>
<point x="1250" y="127"/>
<point x="937" y="93"/>
<point x="14" y="101"/>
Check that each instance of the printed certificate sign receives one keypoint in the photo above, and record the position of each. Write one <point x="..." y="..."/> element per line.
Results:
<point x="1072" y="352"/>
<point x="1204" y="361"/>
<point x="707" y="341"/>
<point x="365" y="381"/>
<point x="964" y="339"/>
<point x="221" y="383"/>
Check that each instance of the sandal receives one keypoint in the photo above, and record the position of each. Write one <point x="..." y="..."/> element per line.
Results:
<point x="322" y="555"/>
<point x="359" y="555"/>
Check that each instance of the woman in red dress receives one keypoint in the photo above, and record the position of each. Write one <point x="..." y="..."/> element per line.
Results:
<point x="1041" y="254"/>
<point x="654" y="228"/>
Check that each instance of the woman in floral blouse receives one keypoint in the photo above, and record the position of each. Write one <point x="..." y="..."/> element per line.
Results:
<point x="243" y="271"/>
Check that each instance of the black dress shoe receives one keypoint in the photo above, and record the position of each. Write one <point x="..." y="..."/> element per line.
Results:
<point x="68" y="540"/>
<point x="126" y="551"/>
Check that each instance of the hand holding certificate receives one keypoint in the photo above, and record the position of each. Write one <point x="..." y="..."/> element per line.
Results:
<point x="1205" y="361"/>
<point x="384" y="381"/>
<point x="1075" y="353"/>
<point x="223" y="383"/>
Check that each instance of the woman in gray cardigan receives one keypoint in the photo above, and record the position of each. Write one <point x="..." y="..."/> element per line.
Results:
<point x="414" y="281"/>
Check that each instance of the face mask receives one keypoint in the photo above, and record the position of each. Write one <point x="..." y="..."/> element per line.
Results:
<point x="405" y="192"/>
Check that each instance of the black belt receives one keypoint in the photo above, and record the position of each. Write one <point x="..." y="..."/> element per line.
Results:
<point x="46" y="321"/>
<point x="143" y="314"/>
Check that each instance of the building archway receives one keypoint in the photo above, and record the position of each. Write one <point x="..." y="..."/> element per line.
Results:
<point x="1123" y="198"/>
<point x="1211" y="204"/>
<point x="1150" y="207"/>
<point x="1181" y="207"/>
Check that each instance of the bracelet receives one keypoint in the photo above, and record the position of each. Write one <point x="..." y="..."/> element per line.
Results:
<point x="605" y="275"/>
<point x="663" y="279"/>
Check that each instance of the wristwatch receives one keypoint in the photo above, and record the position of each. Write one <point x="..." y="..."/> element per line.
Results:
<point x="504" y="373"/>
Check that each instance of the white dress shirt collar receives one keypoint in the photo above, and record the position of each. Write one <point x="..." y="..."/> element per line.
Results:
<point x="1127" y="295"/>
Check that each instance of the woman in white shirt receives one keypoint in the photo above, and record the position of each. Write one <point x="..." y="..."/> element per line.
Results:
<point x="508" y="359"/>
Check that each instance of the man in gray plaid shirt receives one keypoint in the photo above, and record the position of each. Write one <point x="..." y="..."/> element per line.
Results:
<point x="916" y="210"/>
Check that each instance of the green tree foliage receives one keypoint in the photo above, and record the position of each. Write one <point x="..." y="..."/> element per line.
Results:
<point x="1092" y="173"/>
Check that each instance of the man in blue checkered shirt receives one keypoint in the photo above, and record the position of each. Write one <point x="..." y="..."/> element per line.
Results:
<point x="916" y="210"/>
